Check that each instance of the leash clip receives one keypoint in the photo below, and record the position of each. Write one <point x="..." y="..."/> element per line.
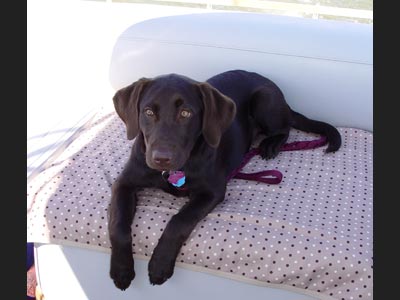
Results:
<point x="176" y="178"/>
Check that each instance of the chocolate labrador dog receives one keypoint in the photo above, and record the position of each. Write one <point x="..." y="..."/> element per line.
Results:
<point x="203" y="129"/>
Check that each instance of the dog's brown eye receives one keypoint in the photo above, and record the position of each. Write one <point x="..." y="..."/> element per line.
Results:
<point x="185" y="114"/>
<point x="149" y="112"/>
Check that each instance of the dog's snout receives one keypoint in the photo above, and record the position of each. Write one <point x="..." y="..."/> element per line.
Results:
<point x="162" y="157"/>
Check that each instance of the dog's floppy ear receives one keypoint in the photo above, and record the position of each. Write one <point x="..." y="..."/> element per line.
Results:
<point x="219" y="112"/>
<point x="126" y="103"/>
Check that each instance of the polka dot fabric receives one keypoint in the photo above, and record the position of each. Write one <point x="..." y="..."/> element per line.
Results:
<point x="312" y="231"/>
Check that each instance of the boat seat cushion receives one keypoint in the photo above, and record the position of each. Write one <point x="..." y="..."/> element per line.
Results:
<point x="312" y="231"/>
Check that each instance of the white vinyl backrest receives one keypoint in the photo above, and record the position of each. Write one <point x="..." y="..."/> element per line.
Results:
<point x="324" y="68"/>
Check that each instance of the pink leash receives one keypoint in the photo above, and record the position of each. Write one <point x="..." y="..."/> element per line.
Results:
<point x="273" y="176"/>
<point x="177" y="178"/>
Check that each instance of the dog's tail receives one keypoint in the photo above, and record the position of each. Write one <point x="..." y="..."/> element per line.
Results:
<point x="303" y="123"/>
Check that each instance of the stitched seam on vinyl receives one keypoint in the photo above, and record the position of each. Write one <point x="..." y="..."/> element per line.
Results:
<point x="243" y="49"/>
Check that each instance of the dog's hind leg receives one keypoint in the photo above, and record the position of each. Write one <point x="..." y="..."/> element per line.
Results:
<point x="272" y="116"/>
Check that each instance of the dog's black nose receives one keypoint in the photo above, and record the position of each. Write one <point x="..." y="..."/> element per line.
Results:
<point x="162" y="157"/>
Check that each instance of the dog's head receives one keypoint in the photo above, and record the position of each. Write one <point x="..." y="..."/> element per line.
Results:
<point x="171" y="112"/>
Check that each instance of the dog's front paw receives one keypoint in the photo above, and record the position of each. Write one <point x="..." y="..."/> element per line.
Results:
<point x="160" y="269"/>
<point x="122" y="274"/>
<point x="122" y="278"/>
